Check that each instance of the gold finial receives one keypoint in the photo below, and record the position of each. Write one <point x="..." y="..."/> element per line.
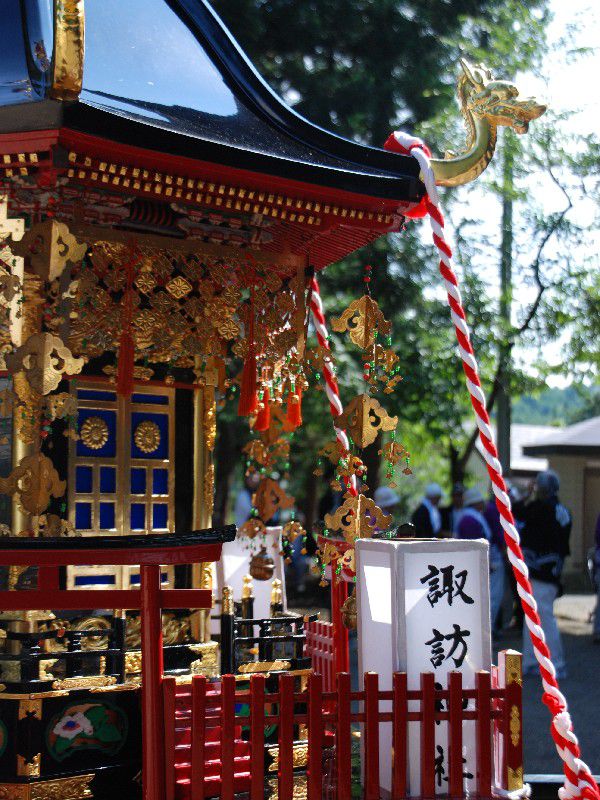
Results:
<point x="486" y="104"/>
<point x="247" y="587"/>
<point x="227" y="599"/>
<point x="69" y="48"/>
<point x="276" y="592"/>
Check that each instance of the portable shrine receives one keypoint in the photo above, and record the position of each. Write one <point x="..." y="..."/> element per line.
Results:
<point x="164" y="218"/>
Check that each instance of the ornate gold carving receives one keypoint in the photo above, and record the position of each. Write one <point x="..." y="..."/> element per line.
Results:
<point x="45" y="359"/>
<point x="209" y="489"/>
<point x="147" y="436"/>
<point x="513" y="672"/>
<point x="515" y="726"/>
<point x="15" y="791"/>
<point x="34" y="482"/>
<point x="485" y="104"/>
<point x="50" y="246"/>
<point x="263" y="666"/>
<point x="208" y="663"/>
<point x="30" y="768"/>
<point x="88" y="682"/>
<point x="227" y="601"/>
<point x="28" y="411"/>
<point x="69" y="44"/>
<point x="299" y="757"/>
<point x="247" y="588"/>
<point x="133" y="662"/>
<point x="175" y="629"/>
<point x="349" y="612"/>
<point x="94" y="433"/>
<point x="276" y="592"/>
<point x="357" y="518"/>
<point x="514" y="778"/>
<point x="363" y="418"/>
<point x="299" y="791"/>
<point x="361" y="319"/>
<point x="30" y="708"/>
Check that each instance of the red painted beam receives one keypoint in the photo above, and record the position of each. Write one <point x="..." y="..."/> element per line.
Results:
<point x="183" y="554"/>
<point x="101" y="598"/>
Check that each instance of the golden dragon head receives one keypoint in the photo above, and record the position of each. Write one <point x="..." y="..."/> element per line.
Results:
<point x="497" y="101"/>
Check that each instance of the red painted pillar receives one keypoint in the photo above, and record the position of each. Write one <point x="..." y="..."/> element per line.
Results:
<point x="153" y="755"/>
<point x="341" y="652"/>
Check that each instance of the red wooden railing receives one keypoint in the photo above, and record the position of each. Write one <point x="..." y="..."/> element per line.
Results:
<point x="238" y="765"/>
<point x="320" y="648"/>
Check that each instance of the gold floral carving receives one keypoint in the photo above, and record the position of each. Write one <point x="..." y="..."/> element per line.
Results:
<point x="363" y="418"/>
<point x="50" y="246"/>
<point x="361" y="319"/>
<point x="45" y="359"/>
<point x="209" y="489"/>
<point x="61" y="405"/>
<point x="53" y="525"/>
<point x="133" y="662"/>
<point x="357" y="518"/>
<point x="94" y="433"/>
<point x="35" y="481"/>
<point x="147" y="436"/>
<point x="69" y="44"/>
<point x="210" y="417"/>
<point x="89" y="682"/>
<point x="179" y="287"/>
<point x="263" y="666"/>
<point x="515" y="726"/>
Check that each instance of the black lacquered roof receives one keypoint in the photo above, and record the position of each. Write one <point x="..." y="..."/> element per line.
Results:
<point x="166" y="75"/>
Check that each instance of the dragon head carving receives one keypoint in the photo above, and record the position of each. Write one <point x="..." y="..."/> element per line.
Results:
<point x="497" y="101"/>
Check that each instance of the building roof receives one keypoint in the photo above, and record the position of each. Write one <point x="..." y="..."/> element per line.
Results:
<point x="582" y="439"/>
<point x="520" y="462"/>
<point x="166" y="91"/>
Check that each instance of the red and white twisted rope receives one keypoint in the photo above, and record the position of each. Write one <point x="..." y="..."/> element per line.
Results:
<point x="331" y="385"/>
<point x="579" y="781"/>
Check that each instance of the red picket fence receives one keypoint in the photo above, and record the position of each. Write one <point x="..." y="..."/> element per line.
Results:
<point x="206" y="755"/>
<point x="320" y="649"/>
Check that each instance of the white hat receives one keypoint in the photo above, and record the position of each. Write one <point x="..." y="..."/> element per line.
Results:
<point x="385" y="497"/>
<point x="473" y="496"/>
<point x="433" y="490"/>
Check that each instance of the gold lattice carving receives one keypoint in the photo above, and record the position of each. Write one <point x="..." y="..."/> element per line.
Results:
<point x="94" y="433"/>
<point x="147" y="436"/>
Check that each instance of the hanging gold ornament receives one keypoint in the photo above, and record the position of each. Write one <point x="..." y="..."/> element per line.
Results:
<point x="292" y="530"/>
<point x="358" y="518"/>
<point x="270" y="498"/>
<point x="361" y="318"/>
<point x="363" y="418"/>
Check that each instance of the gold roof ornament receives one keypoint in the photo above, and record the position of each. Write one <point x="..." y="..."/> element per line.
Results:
<point x="486" y="104"/>
<point x="69" y="48"/>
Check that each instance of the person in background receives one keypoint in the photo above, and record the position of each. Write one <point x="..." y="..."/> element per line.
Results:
<point x="497" y="561"/>
<point x="545" y="543"/>
<point x="596" y="633"/>
<point x="387" y="500"/>
<point x="243" y="502"/>
<point x="474" y="525"/>
<point x="427" y="518"/>
<point x="451" y="513"/>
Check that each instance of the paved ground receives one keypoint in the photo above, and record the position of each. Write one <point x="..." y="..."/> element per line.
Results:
<point x="581" y="688"/>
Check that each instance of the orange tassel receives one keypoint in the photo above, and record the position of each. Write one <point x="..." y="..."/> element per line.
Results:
<point x="294" y="409"/>
<point x="248" y="403"/>
<point x="263" y="418"/>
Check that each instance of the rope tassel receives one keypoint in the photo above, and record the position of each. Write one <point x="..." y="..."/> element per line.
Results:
<point x="579" y="782"/>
